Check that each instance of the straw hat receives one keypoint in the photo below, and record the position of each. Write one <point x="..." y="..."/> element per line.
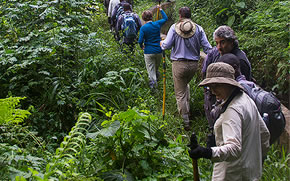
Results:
<point x="185" y="28"/>
<point x="220" y="73"/>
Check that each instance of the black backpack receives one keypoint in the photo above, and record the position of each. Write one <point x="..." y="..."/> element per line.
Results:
<point x="266" y="102"/>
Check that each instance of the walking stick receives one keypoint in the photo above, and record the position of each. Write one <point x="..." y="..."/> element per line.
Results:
<point x="164" y="84"/>
<point x="195" y="170"/>
<point x="193" y="144"/>
<point x="157" y="16"/>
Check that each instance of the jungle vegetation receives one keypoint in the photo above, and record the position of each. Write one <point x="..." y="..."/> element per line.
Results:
<point x="73" y="106"/>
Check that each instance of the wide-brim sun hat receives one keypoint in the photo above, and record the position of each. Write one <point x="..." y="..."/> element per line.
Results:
<point x="185" y="28"/>
<point x="220" y="73"/>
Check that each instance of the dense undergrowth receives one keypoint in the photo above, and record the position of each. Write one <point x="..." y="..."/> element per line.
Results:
<point x="88" y="112"/>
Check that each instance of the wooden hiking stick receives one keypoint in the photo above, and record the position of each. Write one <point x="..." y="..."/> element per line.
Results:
<point x="164" y="84"/>
<point x="195" y="170"/>
<point x="193" y="145"/>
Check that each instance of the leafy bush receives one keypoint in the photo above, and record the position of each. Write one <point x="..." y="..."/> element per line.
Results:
<point x="265" y="39"/>
<point x="8" y="112"/>
<point x="63" y="58"/>
<point x="276" y="165"/>
<point x="136" y="146"/>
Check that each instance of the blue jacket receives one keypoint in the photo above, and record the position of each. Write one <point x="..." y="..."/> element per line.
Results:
<point x="150" y="35"/>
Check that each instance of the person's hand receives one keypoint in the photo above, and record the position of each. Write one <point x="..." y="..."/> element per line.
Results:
<point x="210" y="142"/>
<point x="159" y="7"/>
<point x="200" y="152"/>
<point x="193" y="141"/>
<point x="161" y="42"/>
<point x="197" y="151"/>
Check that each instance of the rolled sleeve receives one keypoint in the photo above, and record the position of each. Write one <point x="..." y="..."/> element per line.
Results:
<point x="169" y="40"/>
<point x="204" y="42"/>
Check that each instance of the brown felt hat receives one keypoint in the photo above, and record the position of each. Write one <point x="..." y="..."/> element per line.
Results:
<point x="220" y="73"/>
<point x="185" y="28"/>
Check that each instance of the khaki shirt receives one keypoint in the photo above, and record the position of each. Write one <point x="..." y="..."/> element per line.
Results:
<point x="242" y="138"/>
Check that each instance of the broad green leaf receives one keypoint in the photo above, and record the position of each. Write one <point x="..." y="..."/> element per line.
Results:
<point x="106" y="132"/>
<point x="241" y="4"/>
<point x="144" y="164"/>
<point x="231" y="20"/>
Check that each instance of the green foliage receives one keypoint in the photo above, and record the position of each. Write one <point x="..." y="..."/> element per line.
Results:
<point x="137" y="146"/>
<point x="74" y="142"/>
<point x="16" y="162"/>
<point x="124" y="88"/>
<point x="9" y="114"/>
<point x="43" y="45"/>
<point x="269" y="28"/>
<point x="276" y="165"/>
<point x="226" y="12"/>
<point x="66" y="160"/>
<point x="63" y="58"/>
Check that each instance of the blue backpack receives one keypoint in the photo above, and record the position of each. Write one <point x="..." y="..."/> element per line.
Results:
<point x="129" y="26"/>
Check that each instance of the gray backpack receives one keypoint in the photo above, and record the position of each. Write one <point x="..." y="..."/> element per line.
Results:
<point x="266" y="102"/>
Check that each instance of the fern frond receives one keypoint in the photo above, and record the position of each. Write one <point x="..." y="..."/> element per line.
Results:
<point x="9" y="114"/>
<point x="72" y="144"/>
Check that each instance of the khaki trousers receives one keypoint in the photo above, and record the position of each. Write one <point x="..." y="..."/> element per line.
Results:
<point x="152" y="62"/>
<point x="183" y="72"/>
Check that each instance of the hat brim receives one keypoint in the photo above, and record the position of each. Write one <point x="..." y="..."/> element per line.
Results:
<point x="182" y="34"/>
<point x="220" y="80"/>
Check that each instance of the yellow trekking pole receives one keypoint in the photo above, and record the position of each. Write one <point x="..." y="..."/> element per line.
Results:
<point x="164" y="84"/>
<point x="157" y="16"/>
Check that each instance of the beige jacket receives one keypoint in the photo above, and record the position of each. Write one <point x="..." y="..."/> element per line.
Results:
<point x="242" y="138"/>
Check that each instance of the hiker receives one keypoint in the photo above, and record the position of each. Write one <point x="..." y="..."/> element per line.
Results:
<point x="117" y="11"/>
<point x="267" y="104"/>
<point x="242" y="138"/>
<point x="226" y="42"/>
<point x="106" y="5"/>
<point x="112" y="5"/>
<point x="186" y="39"/>
<point x="130" y="25"/>
<point x="149" y="41"/>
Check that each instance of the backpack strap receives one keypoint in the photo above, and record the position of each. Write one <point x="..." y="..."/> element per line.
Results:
<point x="219" y="108"/>
<point x="236" y="92"/>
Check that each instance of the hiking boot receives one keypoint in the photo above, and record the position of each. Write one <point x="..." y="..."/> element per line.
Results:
<point x="186" y="123"/>
<point x="153" y="84"/>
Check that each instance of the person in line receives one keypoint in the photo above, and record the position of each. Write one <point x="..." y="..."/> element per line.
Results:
<point x="226" y="42"/>
<point x="130" y="25"/>
<point x="106" y="5"/>
<point x="186" y="39"/>
<point x="276" y="122"/>
<point x="149" y="41"/>
<point x="117" y="11"/>
<point x="112" y="5"/>
<point x="242" y="138"/>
